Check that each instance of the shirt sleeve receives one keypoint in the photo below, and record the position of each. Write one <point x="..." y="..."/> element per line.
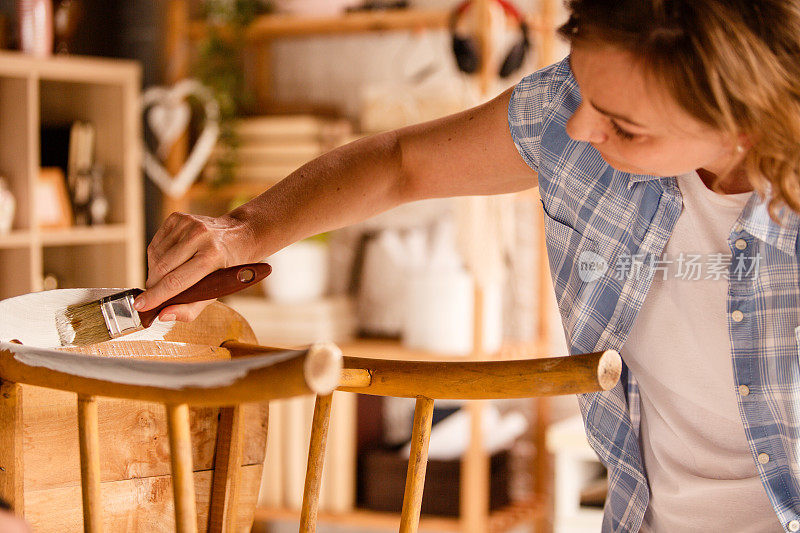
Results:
<point x="526" y="112"/>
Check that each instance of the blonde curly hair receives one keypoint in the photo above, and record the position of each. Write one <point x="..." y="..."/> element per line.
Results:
<point x="732" y="64"/>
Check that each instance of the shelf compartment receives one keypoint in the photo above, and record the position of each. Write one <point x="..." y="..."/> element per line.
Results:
<point x="17" y="144"/>
<point x="15" y="271"/>
<point x="108" y="233"/>
<point x="87" y="265"/>
<point x="64" y="102"/>
<point x="16" y="239"/>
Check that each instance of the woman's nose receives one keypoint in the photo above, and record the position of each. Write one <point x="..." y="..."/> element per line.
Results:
<point x="586" y="125"/>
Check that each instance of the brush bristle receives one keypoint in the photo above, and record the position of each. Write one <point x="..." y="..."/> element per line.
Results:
<point x="82" y="324"/>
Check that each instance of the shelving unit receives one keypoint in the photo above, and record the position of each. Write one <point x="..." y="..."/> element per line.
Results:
<point x="475" y="516"/>
<point x="60" y="90"/>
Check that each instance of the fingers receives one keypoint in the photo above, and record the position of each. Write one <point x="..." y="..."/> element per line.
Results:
<point x="172" y="245"/>
<point x="184" y="250"/>
<point x="183" y="313"/>
<point x="176" y="281"/>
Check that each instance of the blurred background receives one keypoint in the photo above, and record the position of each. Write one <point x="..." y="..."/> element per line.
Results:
<point x="115" y="114"/>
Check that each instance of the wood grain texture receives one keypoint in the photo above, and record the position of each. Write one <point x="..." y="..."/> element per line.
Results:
<point x="141" y="505"/>
<point x="227" y="474"/>
<point x="133" y="437"/>
<point x="180" y="444"/>
<point x="153" y="350"/>
<point x="417" y="464"/>
<point x="11" y="445"/>
<point x="475" y="380"/>
<point x="89" y="444"/>
<point x="316" y="460"/>
<point x="216" y="324"/>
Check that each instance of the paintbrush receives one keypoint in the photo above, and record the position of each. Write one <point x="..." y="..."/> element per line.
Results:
<point x="113" y="316"/>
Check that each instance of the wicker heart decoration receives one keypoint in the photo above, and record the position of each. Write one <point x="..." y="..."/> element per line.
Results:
<point x="168" y="115"/>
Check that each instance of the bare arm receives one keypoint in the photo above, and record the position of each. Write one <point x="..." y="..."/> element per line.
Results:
<point x="468" y="153"/>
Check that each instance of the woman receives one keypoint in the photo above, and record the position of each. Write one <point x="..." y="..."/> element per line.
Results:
<point x="665" y="148"/>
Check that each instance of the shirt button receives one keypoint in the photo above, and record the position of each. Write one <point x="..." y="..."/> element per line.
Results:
<point x="737" y="316"/>
<point x="763" y="458"/>
<point x="794" y="525"/>
<point x="741" y="244"/>
<point x="744" y="390"/>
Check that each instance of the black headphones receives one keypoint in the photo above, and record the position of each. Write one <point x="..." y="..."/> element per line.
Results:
<point x="467" y="51"/>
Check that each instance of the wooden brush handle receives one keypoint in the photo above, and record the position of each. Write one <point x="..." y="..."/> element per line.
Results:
<point x="220" y="283"/>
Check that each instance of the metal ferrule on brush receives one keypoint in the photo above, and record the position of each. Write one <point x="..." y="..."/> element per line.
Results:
<point x="119" y="314"/>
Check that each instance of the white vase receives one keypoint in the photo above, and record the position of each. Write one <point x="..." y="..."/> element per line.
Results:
<point x="35" y="25"/>
<point x="439" y="311"/>
<point x="299" y="273"/>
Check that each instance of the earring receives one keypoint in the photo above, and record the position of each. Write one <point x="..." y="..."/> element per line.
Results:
<point x="740" y="148"/>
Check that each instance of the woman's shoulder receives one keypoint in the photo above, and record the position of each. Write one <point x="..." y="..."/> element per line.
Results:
<point x="534" y="100"/>
<point x="547" y="78"/>
<point x="542" y="87"/>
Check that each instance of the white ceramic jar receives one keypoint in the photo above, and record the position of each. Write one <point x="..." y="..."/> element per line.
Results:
<point x="299" y="273"/>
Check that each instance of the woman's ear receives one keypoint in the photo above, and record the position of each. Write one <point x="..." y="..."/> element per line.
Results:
<point x="743" y="142"/>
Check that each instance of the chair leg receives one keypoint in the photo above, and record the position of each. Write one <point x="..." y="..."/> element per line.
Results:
<point x="316" y="458"/>
<point x="224" y="504"/>
<point x="88" y="438"/>
<point x="417" y="463"/>
<point x="11" y="463"/>
<point x="180" y="444"/>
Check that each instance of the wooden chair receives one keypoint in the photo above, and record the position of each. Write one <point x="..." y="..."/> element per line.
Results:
<point x="429" y="380"/>
<point x="126" y="469"/>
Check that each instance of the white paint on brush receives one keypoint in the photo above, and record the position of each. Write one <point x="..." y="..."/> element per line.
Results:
<point x="31" y="319"/>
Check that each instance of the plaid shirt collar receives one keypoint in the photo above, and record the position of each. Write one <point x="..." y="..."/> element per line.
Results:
<point x="755" y="220"/>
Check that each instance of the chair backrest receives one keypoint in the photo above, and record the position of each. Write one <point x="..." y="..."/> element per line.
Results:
<point x="429" y="380"/>
<point x="134" y="369"/>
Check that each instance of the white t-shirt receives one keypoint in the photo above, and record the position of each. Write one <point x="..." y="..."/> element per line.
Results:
<point x="700" y="468"/>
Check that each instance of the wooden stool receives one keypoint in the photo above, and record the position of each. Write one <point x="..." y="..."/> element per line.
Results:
<point x="126" y="452"/>
<point x="459" y="380"/>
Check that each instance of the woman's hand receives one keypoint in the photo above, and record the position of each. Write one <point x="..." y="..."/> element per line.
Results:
<point x="185" y="249"/>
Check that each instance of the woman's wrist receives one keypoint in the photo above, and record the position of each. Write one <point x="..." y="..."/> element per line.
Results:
<point x="244" y="244"/>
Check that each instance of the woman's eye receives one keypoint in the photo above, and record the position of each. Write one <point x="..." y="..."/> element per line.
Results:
<point x="622" y="134"/>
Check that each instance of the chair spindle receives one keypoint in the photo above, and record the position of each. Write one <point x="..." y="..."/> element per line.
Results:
<point x="316" y="459"/>
<point x="417" y="463"/>
<point x="89" y="443"/>
<point x="180" y="444"/>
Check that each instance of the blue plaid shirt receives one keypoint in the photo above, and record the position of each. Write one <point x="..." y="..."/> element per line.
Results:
<point x="593" y="216"/>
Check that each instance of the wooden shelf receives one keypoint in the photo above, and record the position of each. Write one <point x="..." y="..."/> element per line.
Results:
<point x="499" y="521"/>
<point x="16" y="239"/>
<point x="85" y="235"/>
<point x="393" y="349"/>
<point x="60" y="90"/>
<point x="279" y="25"/>
<point x="284" y="25"/>
<point x="70" y="68"/>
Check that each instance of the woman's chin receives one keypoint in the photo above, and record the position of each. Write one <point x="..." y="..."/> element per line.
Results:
<point x="618" y="165"/>
<point x="630" y="169"/>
